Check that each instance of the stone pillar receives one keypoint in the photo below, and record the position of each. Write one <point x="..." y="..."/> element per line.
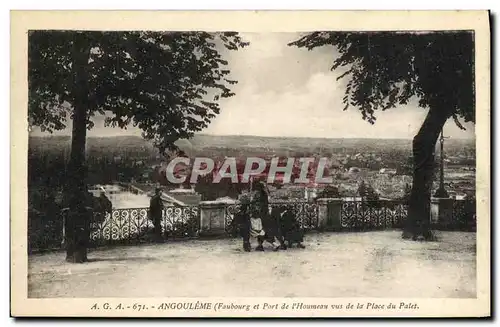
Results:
<point x="334" y="214"/>
<point x="322" y="213"/>
<point x="212" y="218"/>
<point x="441" y="212"/>
<point x="329" y="211"/>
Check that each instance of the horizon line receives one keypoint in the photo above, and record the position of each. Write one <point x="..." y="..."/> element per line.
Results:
<point x="261" y="136"/>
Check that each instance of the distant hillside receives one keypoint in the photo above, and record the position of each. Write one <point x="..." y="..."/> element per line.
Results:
<point x="64" y="142"/>
<point x="236" y="141"/>
<point x="202" y="141"/>
<point x="295" y="143"/>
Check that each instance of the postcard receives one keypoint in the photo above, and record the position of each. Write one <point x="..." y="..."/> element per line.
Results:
<point x="250" y="164"/>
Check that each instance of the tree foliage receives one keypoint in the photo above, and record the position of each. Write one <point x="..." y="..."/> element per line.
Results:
<point x="166" y="83"/>
<point x="362" y="189"/>
<point x="330" y="191"/>
<point x="385" y="69"/>
<point x="210" y="191"/>
<point x="371" y="194"/>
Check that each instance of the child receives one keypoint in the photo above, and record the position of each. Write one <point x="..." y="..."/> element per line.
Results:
<point x="291" y="229"/>
<point x="257" y="230"/>
<point x="264" y="227"/>
<point x="242" y="221"/>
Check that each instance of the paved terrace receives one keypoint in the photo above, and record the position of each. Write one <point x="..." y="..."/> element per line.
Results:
<point x="370" y="264"/>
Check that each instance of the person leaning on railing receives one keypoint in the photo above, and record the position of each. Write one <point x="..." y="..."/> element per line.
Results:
<point x="155" y="213"/>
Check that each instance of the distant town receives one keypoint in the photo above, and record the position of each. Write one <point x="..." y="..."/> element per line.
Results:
<point x="385" y="165"/>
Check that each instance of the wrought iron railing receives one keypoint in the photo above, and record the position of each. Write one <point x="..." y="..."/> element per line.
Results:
<point x="134" y="225"/>
<point x="229" y="213"/>
<point x="305" y="212"/>
<point x="369" y="215"/>
<point x="130" y="226"/>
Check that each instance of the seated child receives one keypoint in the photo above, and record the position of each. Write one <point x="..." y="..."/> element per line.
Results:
<point x="292" y="233"/>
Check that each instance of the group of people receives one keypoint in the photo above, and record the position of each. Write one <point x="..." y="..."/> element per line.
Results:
<point x="253" y="221"/>
<point x="278" y="227"/>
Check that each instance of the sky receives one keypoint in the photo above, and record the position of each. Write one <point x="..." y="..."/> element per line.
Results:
<point x="287" y="91"/>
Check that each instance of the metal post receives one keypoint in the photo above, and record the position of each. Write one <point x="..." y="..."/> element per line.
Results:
<point x="441" y="191"/>
<point x="441" y="177"/>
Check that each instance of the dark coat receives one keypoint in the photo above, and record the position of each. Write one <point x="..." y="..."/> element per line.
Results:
<point x="241" y="222"/>
<point x="156" y="207"/>
<point x="259" y="205"/>
<point x="290" y="227"/>
<point x="272" y="226"/>
<point x="102" y="206"/>
<point x="105" y="205"/>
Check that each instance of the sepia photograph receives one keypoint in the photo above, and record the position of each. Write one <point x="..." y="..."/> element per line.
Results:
<point x="231" y="171"/>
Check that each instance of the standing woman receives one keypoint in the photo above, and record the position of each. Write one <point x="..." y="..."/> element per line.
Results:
<point x="269" y="225"/>
<point x="261" y="200"/>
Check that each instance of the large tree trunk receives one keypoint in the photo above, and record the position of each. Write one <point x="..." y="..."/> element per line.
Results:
<point x="418" y="222"/>
<point x="78" y="219"/>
